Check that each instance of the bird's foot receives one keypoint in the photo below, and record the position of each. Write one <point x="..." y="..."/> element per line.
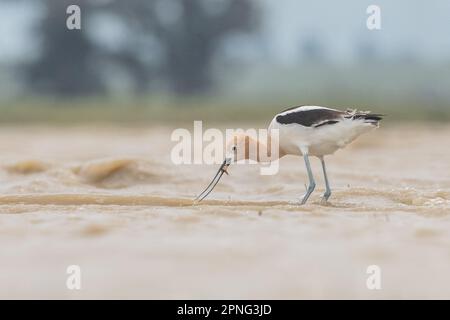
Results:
<point x="309" y="190"/>
<point x="299" y="202"/>
<point x="325" y="197"/>
<point x="294" y="202"/>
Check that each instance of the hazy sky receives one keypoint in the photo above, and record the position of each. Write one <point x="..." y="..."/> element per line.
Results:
<point x="416" y="28"/>
<point x="420" y="26"/>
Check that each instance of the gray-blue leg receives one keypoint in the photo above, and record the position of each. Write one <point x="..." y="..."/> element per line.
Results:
<point x="312" y="183"/>
<point x="327" y="193"/>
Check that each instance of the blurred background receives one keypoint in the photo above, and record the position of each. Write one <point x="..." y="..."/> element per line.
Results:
<point x="154" y="61"/>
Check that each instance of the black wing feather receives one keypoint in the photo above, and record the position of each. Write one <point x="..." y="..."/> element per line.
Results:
<point x="313" y="117"/>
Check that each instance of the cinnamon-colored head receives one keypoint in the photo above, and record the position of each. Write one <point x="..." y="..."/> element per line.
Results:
<point x="242" y="147"/>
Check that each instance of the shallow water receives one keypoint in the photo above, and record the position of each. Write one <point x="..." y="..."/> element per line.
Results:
<point x="110" y="200"/>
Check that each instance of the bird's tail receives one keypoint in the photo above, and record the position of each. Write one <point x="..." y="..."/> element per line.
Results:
<point x="370" y="118"/>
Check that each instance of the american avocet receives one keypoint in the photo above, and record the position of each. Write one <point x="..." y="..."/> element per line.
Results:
<point x="305" y="131"/>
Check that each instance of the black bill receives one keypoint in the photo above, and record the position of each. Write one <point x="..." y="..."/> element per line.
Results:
<point x="214" y="181"/>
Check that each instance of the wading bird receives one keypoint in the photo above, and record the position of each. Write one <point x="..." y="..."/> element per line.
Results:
<point x="305" y="131"/>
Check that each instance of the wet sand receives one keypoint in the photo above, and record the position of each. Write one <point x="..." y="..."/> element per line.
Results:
<point x="109" y="200"/>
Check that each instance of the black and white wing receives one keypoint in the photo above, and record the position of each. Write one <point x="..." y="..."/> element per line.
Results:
<point x="316" y="116"/>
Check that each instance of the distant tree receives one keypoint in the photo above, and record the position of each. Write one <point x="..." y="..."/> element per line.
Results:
<point x="312" y="50"/>
<point x="186" y="32"/>
<point x="189" y="33"/>
<point x="64" y="66"/>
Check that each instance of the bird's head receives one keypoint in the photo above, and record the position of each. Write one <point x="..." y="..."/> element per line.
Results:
<point x="239" y="147"/>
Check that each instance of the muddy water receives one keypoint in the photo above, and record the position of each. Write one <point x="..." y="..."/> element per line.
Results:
<point x="110" y="200"/>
